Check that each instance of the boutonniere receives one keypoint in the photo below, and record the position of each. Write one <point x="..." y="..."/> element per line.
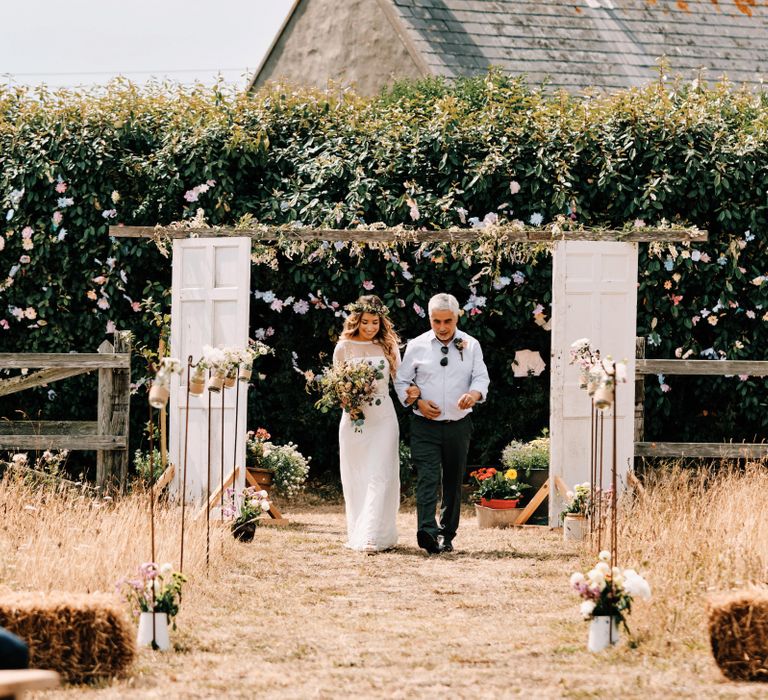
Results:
<point x="459" y="343"/>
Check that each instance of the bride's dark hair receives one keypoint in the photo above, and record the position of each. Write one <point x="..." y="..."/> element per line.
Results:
<point x="386" y="337"/>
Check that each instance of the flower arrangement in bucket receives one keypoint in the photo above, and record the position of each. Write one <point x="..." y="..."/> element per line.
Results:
<point x="349" y="386"/>
<point x="245" y="509"/>
<point x="578" y="504"/>
<point x="608" y="593"/>
<point x="161" y="386"/>
<point x="597" y="375"/>
<point x="155" y="594"/>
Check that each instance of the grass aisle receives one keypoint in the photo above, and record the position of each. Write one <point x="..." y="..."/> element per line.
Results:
<point x="295" y="615"/>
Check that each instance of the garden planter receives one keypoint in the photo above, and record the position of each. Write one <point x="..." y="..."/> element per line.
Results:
<point x="496" y="517"/>
<point x="604" y="396"/>
<point x="575" y="527"/>
<point x="603" y="632"/>
<point x="535" y="478"/>
<point x="244" y="531"/>
<point x="158" y="395"/>
<point x="499" y="503"/>
<point x="264" y="477"/>
<point x="144" y="637"/>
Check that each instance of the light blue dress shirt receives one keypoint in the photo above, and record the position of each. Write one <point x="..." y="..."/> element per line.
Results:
<point x="464" y="372"/>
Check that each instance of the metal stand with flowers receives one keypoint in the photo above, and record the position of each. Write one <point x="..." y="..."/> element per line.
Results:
<point x="607" y="589"/>
<point x="155" y="594"/>
<point x="497" y="496"/>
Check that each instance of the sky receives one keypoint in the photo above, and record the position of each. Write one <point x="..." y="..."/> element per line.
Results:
<point x="89" y="42"/>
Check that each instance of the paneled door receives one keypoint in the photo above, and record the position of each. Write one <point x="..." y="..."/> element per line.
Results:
<point x="594" y="291"/>
<point x="210" y="306"/>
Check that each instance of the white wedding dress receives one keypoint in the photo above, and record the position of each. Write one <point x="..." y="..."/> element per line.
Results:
<point x="370" y="461"/>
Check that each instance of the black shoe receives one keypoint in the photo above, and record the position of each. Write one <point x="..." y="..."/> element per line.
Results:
<point x="428" y="542"/>
<point x="446" y="547"/>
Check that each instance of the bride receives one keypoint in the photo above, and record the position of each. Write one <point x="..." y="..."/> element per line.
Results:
<point x="369" y="459"/>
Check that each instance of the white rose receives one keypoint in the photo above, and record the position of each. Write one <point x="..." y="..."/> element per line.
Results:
<point x="636" y="585"/>
<point x="262" y="494"/>
<point x="586" y="608"/>
<point x="577" y="578"/>
<point x="605" y="555"/>
<point x="596" y="577"/>
<point x="603" y="568"/>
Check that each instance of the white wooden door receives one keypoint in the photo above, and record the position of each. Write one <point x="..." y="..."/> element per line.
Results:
<point x="210" y="306"/>
<point x="594" y="288"/>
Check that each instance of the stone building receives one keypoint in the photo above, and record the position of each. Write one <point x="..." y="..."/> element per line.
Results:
<point x="572" y="43"/>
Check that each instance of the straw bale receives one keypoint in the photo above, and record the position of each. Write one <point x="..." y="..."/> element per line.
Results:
<point x="738" y="631"/>
<point x="83" y="637"/>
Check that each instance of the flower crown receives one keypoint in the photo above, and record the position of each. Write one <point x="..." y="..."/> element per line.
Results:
<point x="362" y="307"/>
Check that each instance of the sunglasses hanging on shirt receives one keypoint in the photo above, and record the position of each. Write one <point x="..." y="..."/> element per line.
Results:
<point x="444" y="361"/>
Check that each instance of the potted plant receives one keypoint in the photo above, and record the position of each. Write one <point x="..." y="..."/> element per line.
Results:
<point x="155" y="593"/>
<point x="576" y="512"/>
<point x="608" y="594"/>
<point x="497" y="495"/>
<point x="288" y="466"/>
<point x="254" y="453"/>
<point x="245" y="511"/>
<point x="531" y="460"/>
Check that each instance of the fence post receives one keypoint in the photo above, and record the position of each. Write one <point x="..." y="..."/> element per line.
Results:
<point x="639" y="393"/>
<point x="113" y="416"/>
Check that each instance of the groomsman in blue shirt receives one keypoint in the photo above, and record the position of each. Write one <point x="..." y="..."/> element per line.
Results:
<point x="447" y="366"/>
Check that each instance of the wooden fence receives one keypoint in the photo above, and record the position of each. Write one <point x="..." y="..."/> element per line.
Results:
<point x="713" y="450"/>
<point x="108" y="434"/>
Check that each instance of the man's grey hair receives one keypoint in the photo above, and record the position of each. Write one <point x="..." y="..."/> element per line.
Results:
<point x="443" y="302"/>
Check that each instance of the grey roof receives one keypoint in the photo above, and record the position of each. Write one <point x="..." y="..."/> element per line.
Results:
<point x="582" y="43"/>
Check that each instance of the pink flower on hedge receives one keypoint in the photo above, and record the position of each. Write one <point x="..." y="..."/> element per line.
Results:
<point x="665" y="387"/>
<point x="276" y="305"/>
<point x="102" y="304"/>
<point x="539" y="309"/>
<point x="136" y="306"/>
<point x="91" y="295"/>
<point x="57" y="218"/>
<point x="368" y="285"/>
<point x="25" y="259"/>
<point x="27" y="232"/>
<point x="514" y="187"/>
<point x="418" y="310"/>
<point x="750" y="314"/>
<point x="30" y="313"/>
<point x="4" y="324"/>
<point x="111" y="327"/>
<point x="100" y="279"/>
<point x="61" y="187"/>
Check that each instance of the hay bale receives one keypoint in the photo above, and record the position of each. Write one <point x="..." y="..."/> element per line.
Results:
<point x="83" y="637"/>
<point x="738" y="631"/>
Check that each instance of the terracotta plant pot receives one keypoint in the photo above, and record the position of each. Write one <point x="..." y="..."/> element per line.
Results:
<point x="499" y="503"/>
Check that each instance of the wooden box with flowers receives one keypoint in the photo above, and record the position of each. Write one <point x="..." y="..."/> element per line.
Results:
<point x="497" y="496"/>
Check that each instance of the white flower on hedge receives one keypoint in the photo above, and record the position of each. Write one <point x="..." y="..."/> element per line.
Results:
<point x="587" y="608"/>
<point x="605" y="555"/>
<point x="536" y="219"/>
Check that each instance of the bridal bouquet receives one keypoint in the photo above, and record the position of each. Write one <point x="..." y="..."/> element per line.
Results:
<point x="350" y="386"/>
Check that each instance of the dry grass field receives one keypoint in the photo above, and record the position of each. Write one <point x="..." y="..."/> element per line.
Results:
<point x="295" y="615"/>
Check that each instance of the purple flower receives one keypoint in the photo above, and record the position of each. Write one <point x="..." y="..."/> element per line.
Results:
<point x="418" y="310"/>
<point x="301" y="307"/>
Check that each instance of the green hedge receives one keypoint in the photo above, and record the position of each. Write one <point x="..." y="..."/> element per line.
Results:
<point x="424" y="154"/>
